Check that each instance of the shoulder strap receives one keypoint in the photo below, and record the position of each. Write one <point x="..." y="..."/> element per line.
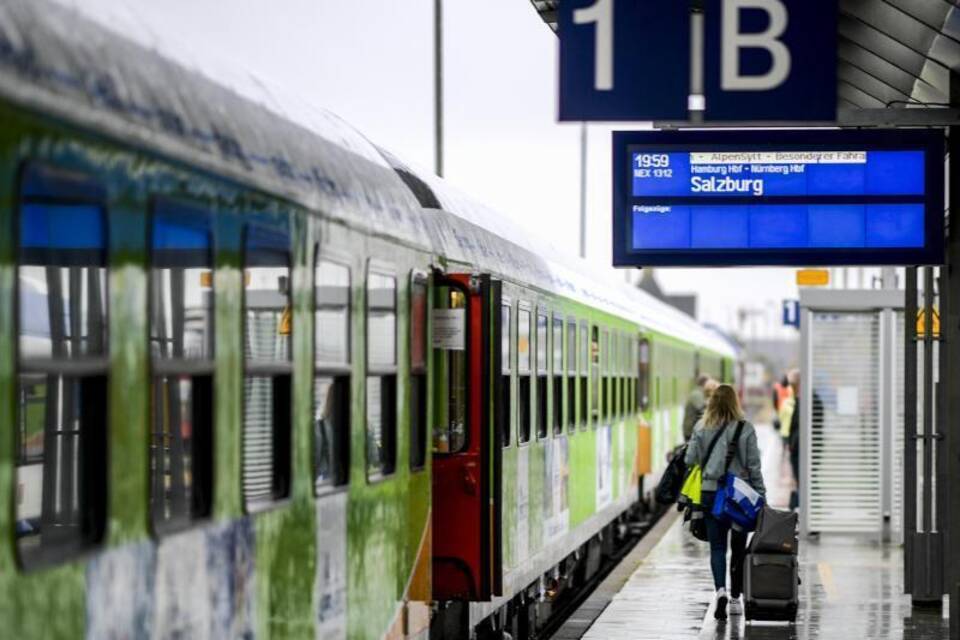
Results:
<point x="732" y="446"/>
<point x="713" y="443"/>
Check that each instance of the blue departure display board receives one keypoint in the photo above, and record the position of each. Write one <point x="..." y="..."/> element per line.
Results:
<point x="804" y="198"/>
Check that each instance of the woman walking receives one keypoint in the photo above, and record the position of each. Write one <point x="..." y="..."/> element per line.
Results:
<point x="720" y="421"/>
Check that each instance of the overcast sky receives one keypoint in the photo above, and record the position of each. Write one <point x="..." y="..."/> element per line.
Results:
<point x="371" y="63"/>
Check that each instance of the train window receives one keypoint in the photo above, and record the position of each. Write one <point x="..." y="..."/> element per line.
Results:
<point x="542" y="354"/>
<point x="571" y="375"/>
<point x="603" y="406"/>
<point x="450" y="422"/>
<point x="506" y="367"/>
<point x="584" y="372"/>
<point x="524" y="319"/>
<point x="557" y="364"/>
<point x="331" y="382"/>
<point x="625" y="346"/>
<point x="418" y="370"/>
<point x="181" y="350"/>
<point x="595" y="375"/>
<point x="615" y="379"/>
<point x="381" y="398"/>
<point x="267" y="333"/>
<point x="61" y="425"/>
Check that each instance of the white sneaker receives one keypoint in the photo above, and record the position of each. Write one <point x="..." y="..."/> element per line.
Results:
<point x="736" y="607"/>
<point x="720" y="612"/>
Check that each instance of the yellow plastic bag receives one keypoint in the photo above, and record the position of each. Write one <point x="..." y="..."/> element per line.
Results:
<point x="787" y="407"/>
<point x="693" y="485"/>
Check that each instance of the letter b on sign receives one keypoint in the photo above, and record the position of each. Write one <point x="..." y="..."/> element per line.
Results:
<point x="770" y="59"/>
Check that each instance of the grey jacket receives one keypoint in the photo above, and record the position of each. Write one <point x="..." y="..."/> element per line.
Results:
<point x="746" y="462"/>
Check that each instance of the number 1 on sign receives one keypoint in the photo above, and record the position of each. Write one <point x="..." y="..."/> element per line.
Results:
<point x="600" y="13"/>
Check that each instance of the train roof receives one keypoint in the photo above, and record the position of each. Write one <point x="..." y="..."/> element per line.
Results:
<point x="56" y="60"/>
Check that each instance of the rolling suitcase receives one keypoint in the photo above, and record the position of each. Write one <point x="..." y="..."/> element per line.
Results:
<point x="770" y="586"/>
<point x="776" y="532"/>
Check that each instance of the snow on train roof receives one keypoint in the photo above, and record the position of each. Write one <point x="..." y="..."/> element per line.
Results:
<point x="56" y="60"/>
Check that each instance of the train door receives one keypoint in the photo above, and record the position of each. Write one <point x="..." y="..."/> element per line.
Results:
<point x="466" y="447"/>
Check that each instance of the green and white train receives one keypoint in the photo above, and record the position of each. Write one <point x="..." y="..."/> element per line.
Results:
<point x="258" y="378"/>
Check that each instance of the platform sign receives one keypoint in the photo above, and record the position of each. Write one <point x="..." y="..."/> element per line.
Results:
<point x="803" y="198"/>
<point x="770" y="59"/>
<point x="624" y="59"/>
<point x="791" y="313"/>
<point x="761" y="59"/>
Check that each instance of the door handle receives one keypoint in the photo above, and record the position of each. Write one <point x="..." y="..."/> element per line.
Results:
<point x="469" y="480"/>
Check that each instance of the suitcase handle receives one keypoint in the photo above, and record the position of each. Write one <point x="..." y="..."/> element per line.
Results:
<point x="771" y="604"/>
<point x="770" y="559"/>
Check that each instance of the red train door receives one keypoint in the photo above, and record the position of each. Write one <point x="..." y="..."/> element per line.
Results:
<point x="466" y="460"/>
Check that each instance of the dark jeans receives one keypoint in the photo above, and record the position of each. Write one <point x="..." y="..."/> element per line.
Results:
<point x="717" y="535"/>
<point x="795" y="465"/>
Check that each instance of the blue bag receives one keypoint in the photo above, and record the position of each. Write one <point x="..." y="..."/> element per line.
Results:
<point x="736" y="503"/>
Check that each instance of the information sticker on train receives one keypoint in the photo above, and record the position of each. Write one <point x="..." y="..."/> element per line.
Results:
<point x="449" y="329"/>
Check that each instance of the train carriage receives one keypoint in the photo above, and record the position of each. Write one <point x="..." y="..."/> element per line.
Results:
<point x="258" y="378"/>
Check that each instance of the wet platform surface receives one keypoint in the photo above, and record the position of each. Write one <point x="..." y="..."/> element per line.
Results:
<point x="852" y="588"/>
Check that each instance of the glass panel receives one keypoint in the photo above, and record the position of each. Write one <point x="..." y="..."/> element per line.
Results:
<point x="557" y="345"/>
<point x="542" y="347"/>
<point x="523" y="408"/>
<point x="523" y="340"/>
<point x="605" y="352"/>
<point x="47" y="499"/>
<point x="381" y="430"/>
<point x="258" y="440"/>
<point x="595" y="373"/>
<point x="643" y="372"/>
<point x="506" y="343"/>
<point x="382" y="320"/>
<point x="418" y="324"/>
<point x="450" y="430"/>
<point x="268" y="323"/>
<point x="181" y="283"/>
<point x="332" y="314"/>
<point x="571" y="347"/>
<point x="179" y="468"/>
<point x="331" y="430"/>
<point x="62" y="281"/>
<point x="584" y="348"/>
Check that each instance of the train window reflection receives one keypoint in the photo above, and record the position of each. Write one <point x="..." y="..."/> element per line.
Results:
<point x="331" y="385"/>
<point x="557" y="365"/>
<point x="182" y="351"/>
<point x="267" y="332"/>
<point x="450" y="429"/>
<point x="332" y="300"/>
<point x="572" y="377"/>
<point x="62" y="289"/>
<point x="506" y="368"/>
<point x="381" y="373"/>
<point x="418" y="370"/>
<point x="543" y="350"/>
<point x="523" y="379"/>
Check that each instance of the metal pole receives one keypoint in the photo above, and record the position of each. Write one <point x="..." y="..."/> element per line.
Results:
<point x="583" y="189"/>
<point x="438" y="84"/>
<point x="927" y="399"/>
<point x="910" y="427"/>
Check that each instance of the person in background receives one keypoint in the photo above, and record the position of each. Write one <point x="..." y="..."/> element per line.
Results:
<point x="696" y="402"/>
<point x="781" y="391"/>
<point x="723" y="413"/>
<point x="793" y="434"/>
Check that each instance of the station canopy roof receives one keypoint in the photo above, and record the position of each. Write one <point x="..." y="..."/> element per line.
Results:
<point x="892" y="54"/>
